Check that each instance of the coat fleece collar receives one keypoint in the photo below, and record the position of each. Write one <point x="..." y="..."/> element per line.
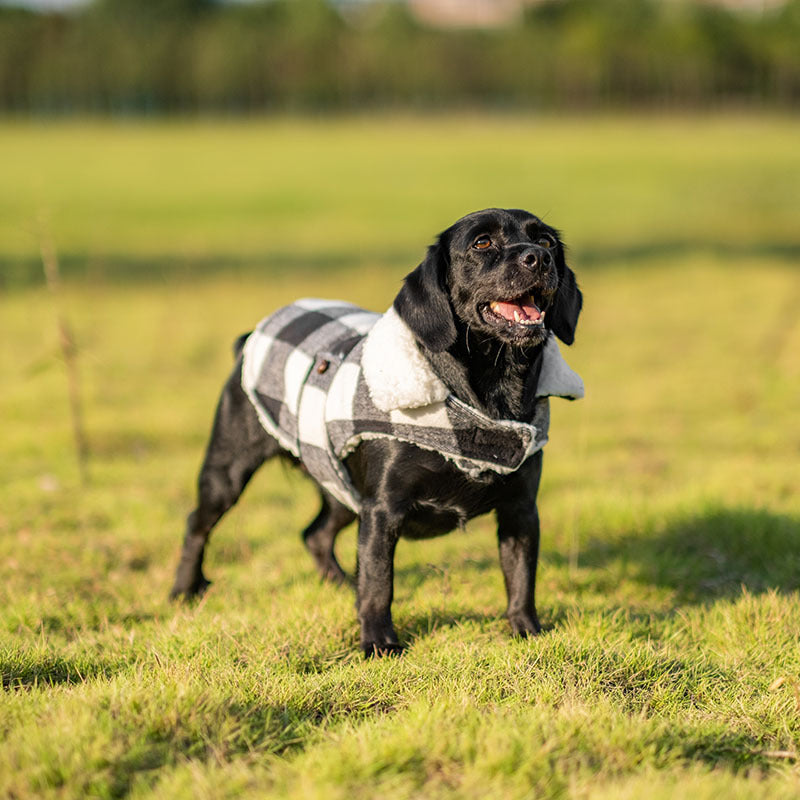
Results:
<point x="398" y="376"/>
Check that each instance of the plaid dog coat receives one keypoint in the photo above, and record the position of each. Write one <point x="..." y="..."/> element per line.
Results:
<point x="324" y="375"/>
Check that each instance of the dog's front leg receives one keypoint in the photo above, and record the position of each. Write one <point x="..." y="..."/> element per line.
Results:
<point x="518" y="537"/>
<point x="519" y="554"/>
<point x="378" y="532"/>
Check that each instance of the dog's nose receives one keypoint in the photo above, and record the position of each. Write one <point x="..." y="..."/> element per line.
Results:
<point x="536" y="257"/>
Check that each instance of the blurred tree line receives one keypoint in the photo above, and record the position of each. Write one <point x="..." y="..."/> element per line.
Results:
<point x="142" y="56"/>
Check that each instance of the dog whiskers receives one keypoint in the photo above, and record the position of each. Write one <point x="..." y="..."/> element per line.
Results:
<point x="499" y="350"/>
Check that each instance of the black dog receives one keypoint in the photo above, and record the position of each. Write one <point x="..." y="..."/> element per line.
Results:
<point x="482" y="309"/>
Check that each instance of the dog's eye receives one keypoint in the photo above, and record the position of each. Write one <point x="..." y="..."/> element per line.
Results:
<point x="482" y="242"/>
<point x="546" y="241"/>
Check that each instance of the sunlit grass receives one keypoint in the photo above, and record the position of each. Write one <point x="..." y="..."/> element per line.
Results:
<point x="671" y="516"/>
<point x="371" y="189"/>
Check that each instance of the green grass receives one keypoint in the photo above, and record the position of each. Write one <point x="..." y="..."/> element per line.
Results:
<point x="126" y="197"/>
<point x="670" y="568"/>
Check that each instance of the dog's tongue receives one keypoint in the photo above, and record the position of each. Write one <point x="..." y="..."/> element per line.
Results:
<point x="525" y="308"/>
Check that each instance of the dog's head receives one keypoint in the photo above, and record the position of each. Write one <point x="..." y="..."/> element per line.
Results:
<point x="499" y="272"/>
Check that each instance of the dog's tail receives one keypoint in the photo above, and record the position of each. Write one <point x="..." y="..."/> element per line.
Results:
<point x="239" y="344"/>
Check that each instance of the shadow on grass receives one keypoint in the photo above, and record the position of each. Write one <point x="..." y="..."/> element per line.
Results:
<point x="121" y="268"/>
<point x="709" y="555"/>
<point x="213" y="733"/>
<point x="701" y="557"/>
<point x="124" y="269"/>
<point x="415" y="575"/>
<point x="721" y="749"/>
<point x="654" y="250"/>
<point x="30" y="670"/>
<point x="72" y="624"/>
<point x="418" y="626"/>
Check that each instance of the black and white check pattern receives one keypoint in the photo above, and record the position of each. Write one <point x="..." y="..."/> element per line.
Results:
<point x="302" y="371"/>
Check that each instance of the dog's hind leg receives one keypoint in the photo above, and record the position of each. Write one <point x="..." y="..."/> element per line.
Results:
<point x="239" y="446"/>
<point x="320" y="535"/>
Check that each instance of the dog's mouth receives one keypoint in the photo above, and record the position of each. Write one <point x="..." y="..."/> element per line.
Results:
<point x="527" y="310"/>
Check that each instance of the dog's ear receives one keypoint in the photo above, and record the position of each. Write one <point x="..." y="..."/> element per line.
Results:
<point x="567" y="305"/>
<point x="423" y="302"/>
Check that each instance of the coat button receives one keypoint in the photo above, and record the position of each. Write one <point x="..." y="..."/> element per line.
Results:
<point x="323" y="366"/>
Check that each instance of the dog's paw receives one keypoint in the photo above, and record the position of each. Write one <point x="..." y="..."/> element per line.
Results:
<point x="333" y="573"/>
<point x="192" y="591"/>
<point x="382" y="650"/>
<point x="525" y="625"/>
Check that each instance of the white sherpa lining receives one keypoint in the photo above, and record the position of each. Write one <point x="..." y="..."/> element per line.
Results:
<point x="557" y="378"/>
<point x="399" y="376"/>
<point x="396" y="373"/>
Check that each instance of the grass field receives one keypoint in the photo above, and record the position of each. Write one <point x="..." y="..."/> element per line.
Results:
<point x="670" y="569"/>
